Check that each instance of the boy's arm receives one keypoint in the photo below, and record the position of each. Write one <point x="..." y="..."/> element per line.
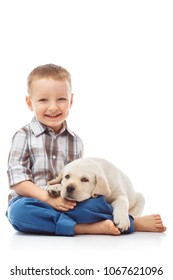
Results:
<point x="29" y="189"/>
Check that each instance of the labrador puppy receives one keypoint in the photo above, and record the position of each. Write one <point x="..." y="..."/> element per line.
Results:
<point x="90" y="177"/>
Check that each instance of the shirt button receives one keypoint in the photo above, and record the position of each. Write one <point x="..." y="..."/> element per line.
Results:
<point x="54" y="157"/>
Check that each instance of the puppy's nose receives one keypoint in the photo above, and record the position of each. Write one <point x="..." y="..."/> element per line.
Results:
<point x="70" y="188"/>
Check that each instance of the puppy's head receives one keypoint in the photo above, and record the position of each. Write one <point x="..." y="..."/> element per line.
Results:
<point x="82" y="179"/>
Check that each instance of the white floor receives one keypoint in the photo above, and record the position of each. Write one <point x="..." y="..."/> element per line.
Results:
<point x="86" y="252"/>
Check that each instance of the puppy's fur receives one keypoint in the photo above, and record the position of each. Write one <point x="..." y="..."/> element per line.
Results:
<point x="89" y="177"/>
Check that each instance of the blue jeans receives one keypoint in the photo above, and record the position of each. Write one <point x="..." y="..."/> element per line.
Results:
<point x="32" y="215"/>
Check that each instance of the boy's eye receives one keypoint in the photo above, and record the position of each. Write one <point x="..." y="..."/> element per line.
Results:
<point x="62" y="99"/>
<point x="42" y="100"/>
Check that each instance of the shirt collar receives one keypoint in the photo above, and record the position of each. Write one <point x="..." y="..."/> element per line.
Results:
<point x="38" y="128"/>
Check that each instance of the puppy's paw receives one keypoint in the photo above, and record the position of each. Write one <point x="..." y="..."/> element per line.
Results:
<point x="122" y="222"/>
<point x="54" y="190"/>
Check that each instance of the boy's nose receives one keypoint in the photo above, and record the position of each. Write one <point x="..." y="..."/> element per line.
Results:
<point x="53" y="106"/>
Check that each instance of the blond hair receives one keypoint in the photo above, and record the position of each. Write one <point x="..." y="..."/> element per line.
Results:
<point x="50" y="71"/>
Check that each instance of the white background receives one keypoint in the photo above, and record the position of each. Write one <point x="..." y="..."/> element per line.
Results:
<point x="121" y="60"/>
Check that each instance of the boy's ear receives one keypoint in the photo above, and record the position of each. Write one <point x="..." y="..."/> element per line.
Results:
<point x="71" y="100"/>
<point x="29" y="103"/>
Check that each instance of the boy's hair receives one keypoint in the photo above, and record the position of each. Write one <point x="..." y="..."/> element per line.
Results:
<point x="52" y="71"/>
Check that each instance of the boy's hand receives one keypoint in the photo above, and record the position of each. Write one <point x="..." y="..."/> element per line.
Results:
<point x="60" y="204"/>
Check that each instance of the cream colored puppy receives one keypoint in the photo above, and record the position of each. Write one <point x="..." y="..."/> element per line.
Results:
<point x="89" y="177"/>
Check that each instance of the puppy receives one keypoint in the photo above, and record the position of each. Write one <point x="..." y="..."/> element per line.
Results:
<point x="90" y="177"/>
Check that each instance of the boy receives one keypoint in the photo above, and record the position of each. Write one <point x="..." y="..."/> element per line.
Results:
<point x="39" y="150"/>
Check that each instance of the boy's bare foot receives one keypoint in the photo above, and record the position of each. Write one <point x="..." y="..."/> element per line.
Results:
<point x="103" y="227"/>
<point x="151" y="223"/>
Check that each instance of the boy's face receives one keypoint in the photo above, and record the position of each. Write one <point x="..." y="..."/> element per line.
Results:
<point x="51" y="101"/>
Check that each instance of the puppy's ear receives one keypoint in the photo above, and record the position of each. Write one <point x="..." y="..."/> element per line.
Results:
<point x="57" y="180"/>
<point x="102" y="187"/>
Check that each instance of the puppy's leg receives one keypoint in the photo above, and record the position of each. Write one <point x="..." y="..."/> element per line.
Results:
<point x="54" y="190"/>
<point x="120" y="212"/>
<point x="138" y="207"/>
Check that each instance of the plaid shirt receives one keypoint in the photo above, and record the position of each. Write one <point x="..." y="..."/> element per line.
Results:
<point x="37" y="154"/>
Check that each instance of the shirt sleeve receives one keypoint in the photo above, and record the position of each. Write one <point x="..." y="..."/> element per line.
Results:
<point x="80" y="148"/>
<point x="19" y="160"/>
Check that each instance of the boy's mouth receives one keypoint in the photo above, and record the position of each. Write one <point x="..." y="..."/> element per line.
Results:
<point x="52" y="116"/>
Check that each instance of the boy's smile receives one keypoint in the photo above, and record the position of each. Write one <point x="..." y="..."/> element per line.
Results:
<point x="51" y="101"/>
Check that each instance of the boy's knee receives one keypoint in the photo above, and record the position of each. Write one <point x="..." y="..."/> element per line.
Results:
<point x="18" y="208"/>
<point x="15" y="208"/>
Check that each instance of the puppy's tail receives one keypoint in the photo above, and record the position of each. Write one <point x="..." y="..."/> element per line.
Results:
<point x="138" y="207"/>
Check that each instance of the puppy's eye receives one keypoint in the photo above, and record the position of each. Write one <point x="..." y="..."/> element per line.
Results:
<point x="84" y="179"/>
<point x="67" y="176"/>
